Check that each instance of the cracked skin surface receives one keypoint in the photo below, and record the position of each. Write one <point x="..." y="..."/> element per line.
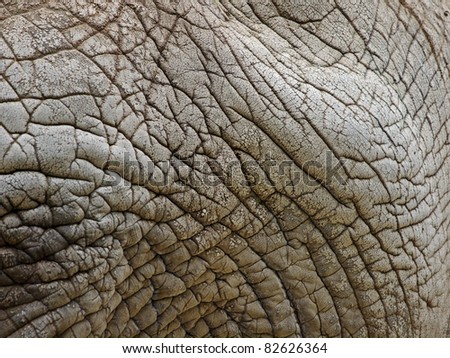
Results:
<point x="363" y="86"/>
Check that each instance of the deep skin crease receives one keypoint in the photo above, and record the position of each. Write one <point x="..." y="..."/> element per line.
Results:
<point x="224" y="168"/>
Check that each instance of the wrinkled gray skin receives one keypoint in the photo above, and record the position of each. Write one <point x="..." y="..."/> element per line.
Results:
<point x="360" y="87"/>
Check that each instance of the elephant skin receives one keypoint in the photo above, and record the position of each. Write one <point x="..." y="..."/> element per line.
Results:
<point x="224" y="168"/>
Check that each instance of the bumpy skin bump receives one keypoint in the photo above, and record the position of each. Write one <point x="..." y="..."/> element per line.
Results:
<point x="224" y="250"/>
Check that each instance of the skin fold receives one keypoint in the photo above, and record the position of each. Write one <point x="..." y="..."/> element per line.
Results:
<point x="224" y="168"/>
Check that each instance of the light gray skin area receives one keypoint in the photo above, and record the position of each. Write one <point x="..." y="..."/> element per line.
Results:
<point x="216" y="96"/>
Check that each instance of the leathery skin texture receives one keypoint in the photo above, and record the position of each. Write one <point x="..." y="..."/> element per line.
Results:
<point x="224" y="168"/>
